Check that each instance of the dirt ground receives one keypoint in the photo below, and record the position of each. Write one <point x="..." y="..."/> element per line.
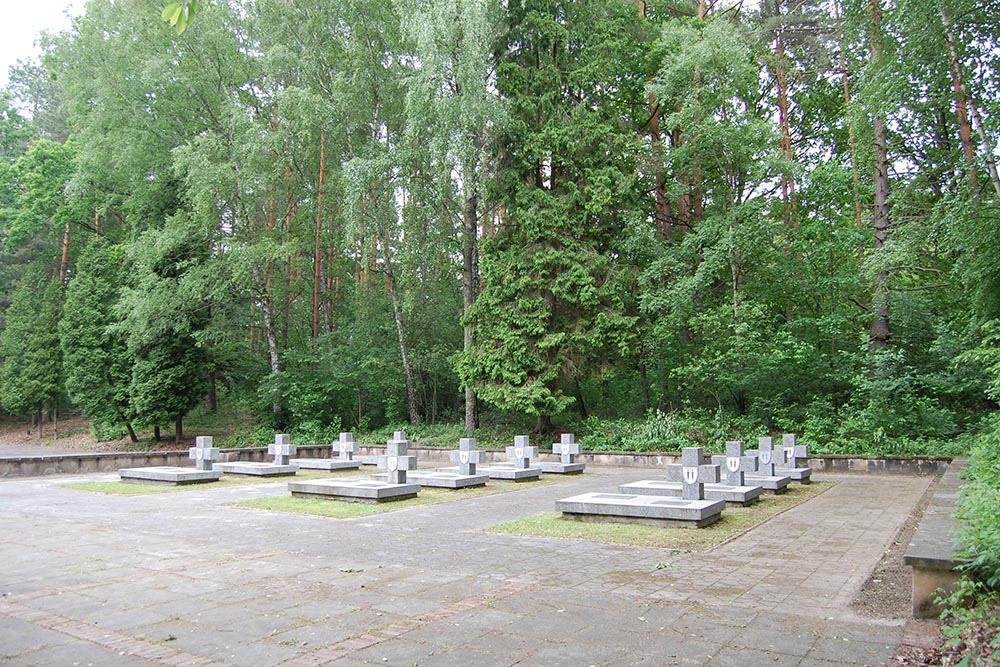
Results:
<point x="69" y="435"/>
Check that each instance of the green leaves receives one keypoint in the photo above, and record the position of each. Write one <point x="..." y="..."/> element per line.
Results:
<point x="180" y="14"/>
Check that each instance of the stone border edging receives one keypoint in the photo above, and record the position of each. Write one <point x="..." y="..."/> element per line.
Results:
<point x="33" y="466"/>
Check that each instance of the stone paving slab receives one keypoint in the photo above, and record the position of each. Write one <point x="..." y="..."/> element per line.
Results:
<point x="185" y="579"/>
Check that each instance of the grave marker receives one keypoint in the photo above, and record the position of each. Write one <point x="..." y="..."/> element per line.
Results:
<point x="521" y="453"/>
<point x="769" y="457"/>
<point x="203" y="453"/>
<point x="467" y="456"/>
<point x="282" y="449"/>
<point x="692" y="473"/>
<point x="738" y="463"/>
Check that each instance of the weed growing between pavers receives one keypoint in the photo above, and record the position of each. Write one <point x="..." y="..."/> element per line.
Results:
<point x="126" y="488"/>
<point x="734" y="521"/>
<point x="337" y="509"/>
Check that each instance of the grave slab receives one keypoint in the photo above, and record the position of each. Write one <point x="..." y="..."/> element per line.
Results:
<point x="776" y="484"/>
<point x="343" y="448"/>
<point x="282" y="450"/>
<point x="168" y="475"/>
<point x="505" y="472"/>
<point x="642" y="509"/>
<point x="203" y="454"/>
<point x="795" y="455"/>
<point x="353" y="490"/>
<point x="256" y="469"/>
<point x="442" y="479"/>
<point x="742" y="496"/>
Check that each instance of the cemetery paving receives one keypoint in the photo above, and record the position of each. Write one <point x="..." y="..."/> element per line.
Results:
<point x="184" y="579"/>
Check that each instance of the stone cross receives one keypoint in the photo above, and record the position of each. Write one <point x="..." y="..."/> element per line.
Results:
<point x="568" y="449"/>
<point x="282" y="449"/>
<point x="203" y="453"/>
<point x="737" y="463"/>
<point x="794" y="451"/>
<point x="521" y="453"/>
<point x="768" y="457"/>
<point x="396" y="462"/>
<point x="467" y="456"/>
<point x="345" y="447"/>
<point x="692" y="474"/>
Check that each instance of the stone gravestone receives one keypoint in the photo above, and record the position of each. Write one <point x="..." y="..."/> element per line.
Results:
<point x="693" y="473"/>
<point x="463" y="476"/>
<point x="737" y="463"/>
<point x="282" y="449"/>
<point x="769" y="458"/>
<point x="203" y="453"/>
<point x="795" y="456"/>
<point x="521" y="453"/>
<point x="466" y="456"/>
<point x="567" y="449"/>
<point x="345" y="447"/>
<point x="395" y="461"/>
<point x="519" y="468"/>
<point x="342" y="456"/>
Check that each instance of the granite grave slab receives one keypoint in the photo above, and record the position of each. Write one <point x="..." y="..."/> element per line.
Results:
<point x="795" y="456"/>
<point x="203" y="454"/>
<point x="344" y="459"/>
<point x="281" y="449"/>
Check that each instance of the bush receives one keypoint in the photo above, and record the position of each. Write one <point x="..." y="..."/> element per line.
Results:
<point x="980" y="507"/>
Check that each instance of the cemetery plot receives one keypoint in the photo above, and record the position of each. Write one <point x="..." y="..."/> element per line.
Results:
<point x="282" y="450"/>
<point x="768" y="460"/>
<point x="465" y="475"/>
<point x="120" y="487"/>
<point x="795" y="456"/>
<point x="344" y="460"/>
<point x="395" y="487"/>
<point x="203" y="454"/>
<point x="733" y="522"/>
<point x="518" y="468"/>
<point x="732" y="489"/>
<point x="567" y="449"/>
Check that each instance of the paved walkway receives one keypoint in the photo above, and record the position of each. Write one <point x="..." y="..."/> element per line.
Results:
<point x="182" y="579"/>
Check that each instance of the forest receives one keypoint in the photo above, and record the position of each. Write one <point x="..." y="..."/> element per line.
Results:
<point x="649" y="222"/>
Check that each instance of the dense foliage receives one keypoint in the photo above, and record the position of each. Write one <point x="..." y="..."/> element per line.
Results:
<point x="654" y="223"/>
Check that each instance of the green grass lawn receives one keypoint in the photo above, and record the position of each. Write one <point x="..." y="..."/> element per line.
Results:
<point x="128" y="488"/>
<point x="734" y="521"/>
<point x="337" y="509"/>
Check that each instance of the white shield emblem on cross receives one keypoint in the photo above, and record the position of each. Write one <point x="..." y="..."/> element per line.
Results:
<point x="765" y="457"/>
<point x="789" y="453"/>
<point x="391" y="463"/>
<point x="463" y="457"/>
<point x="732" y="463"/>
<point x="518" y="453"/>
<point x="690" y="475"/>
<point x="199" y="453"/>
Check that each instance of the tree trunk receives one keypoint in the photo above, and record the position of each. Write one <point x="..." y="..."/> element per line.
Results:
<point x="470" y="291"/>
<point x="961" y="107"/>
<point x="781" y="84"/>
<point x="879" y="335"/>
<point x="64" y="261"/>
<point x="156" y="433"/>
<point x="128" y="426"/>
<point x="543" y="425"/>
<point x="397" y="312"/>
<point x="580" y="404"/>
<point x="318" y="249"/>
<point x="855" y="176"/>
<point x="272" y="342"/>
<point x="178" y="430"/>
<point x="213" y="393"/>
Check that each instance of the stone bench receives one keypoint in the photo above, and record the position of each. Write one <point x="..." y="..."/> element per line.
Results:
<point x="932" y="552"/>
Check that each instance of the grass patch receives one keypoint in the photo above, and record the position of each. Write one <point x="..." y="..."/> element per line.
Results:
<point x="337" y="509"/>
<point x="129" y="489"/>
<point x="734" y="521"/>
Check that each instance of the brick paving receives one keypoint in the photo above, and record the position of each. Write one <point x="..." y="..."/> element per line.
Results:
<point x="183" y="579"/>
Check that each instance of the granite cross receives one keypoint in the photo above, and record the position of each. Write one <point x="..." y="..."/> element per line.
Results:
<point x="768" y="456"/>
<point x="737" y="463"/>
<point x="203" y="452"/>
<point x="794" y="451"/>
<point x="467" y="456"/>
<point x="282" y="449"/>
<point x="567" y="449"/>
<point x="692" y="474"/>
<point x="521" y="453"/>
<point x="396" y="462"/>
<point x="345" y="447"/>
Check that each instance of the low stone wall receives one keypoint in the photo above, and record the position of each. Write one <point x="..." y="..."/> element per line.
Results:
<point x="30" y="466"/>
